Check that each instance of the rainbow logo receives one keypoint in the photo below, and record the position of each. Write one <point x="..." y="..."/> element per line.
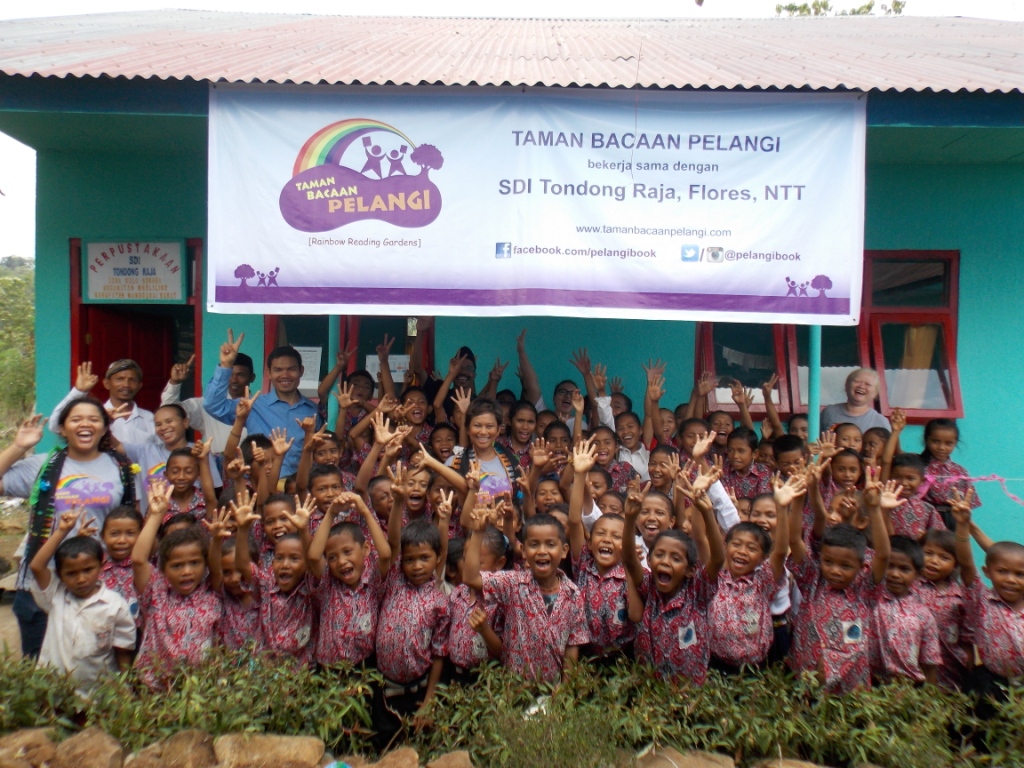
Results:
<point x="328" y="145"/>
<point x="156" y="469"/>
<point x="66" y="481"/>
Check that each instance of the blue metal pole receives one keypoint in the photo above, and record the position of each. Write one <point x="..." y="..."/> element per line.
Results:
<point x="814" y="382"/>
<point x="333" y="340"/>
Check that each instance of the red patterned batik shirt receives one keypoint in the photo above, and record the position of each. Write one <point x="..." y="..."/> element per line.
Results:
<point x="673" y="634"/>
<point x="535" y="640"/>
<point x="739" y="617"/>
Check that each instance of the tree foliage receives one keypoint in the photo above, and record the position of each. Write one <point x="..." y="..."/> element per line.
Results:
<point x="17" y="342"/>
<point x="824" y="8"/>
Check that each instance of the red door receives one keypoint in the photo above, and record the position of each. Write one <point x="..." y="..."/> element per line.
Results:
<point x="111" y="333"/>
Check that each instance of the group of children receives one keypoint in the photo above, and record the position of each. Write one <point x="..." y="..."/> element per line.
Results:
<point x="545" y="538"/>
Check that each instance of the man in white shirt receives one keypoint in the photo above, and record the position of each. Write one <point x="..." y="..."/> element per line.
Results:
<point x="123" y="381"/>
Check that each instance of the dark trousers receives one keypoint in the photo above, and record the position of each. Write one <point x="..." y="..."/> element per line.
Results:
<point x="453" y="675"/>
<point x="31" y="621"/>
<point x="390" y="705"/>
<point x="781" y="641"/>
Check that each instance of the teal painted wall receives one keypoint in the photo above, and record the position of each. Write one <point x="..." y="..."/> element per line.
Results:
<point x="94" y="195"/>
<point x="622" y="345"/>
<point x="978" y="210"/>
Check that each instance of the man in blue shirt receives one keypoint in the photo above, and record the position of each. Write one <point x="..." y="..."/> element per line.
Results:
<point x="283" y="407"/>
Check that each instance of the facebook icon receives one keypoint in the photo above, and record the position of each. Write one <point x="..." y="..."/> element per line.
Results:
<point x="691" y="253"/>
<point x="503" y="250"/>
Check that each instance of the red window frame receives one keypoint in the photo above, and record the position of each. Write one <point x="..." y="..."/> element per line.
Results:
<point x="705" y="361"/>
<point x="869" y="340"/>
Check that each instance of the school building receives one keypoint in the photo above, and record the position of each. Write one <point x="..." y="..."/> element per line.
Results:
<point x="116" y="107"/>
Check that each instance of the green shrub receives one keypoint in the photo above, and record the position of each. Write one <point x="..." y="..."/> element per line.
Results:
<point x="597" y="717"/>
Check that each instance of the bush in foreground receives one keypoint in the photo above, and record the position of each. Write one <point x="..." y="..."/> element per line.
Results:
<point x="596" y="718"/>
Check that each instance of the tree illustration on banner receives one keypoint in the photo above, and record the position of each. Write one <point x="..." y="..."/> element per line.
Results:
<point x="243" y="272"/>
<point x="821" y="283"/>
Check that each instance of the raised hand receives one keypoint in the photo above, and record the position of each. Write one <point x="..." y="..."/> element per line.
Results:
<point x="179" y="371"/>
<point x="578" y="403"/>
<point x="703" y="445"/>
<point x="218" y="523"/>
<point x="785" y="492"/>
<point x="474" y="476"/>
<point x="540" y="456"/>
<point x="497" y="371"/>
<point x="616" y="384"/>
<point x="462" y="398"/>
<point x="201" y="449"/>
<point x="583" y="456"/>
<point x="635" y="500"/>
<point x="85" y="379"/>
<point x="259" y="456"/>
<point x="600" y="374"/>
<point x="123" y="411"/>
<point x="960" y="505"/>
<point x="706" y="383"/>
<point x="303" y="511"/>
<point x="236" y="467"/>
<point x="158" y="494"/>
<point x="308" y="427"/>
<point x="29" y="433"/>
<point x="706" y="479"/>
<point x="890" y="496"/>
<point x="766" y="429"/>
<point x="387" y="404"/>
<point x="654" y="369"/>
<point x="898" y="420"/>
<point x="344" y="355"/>
<point x="740" y="394"/>
<point x="229" y="349"/>
<point x="400" y="486"/>
<point x="382" y="433"/>
<point x="343" y="394"/>
<point x="580" y="360"/>
<point x="445" y="506"/>
<point x="872" y="486"/>
<point x="68" y="520"/>
<point x="455" y="364"/>
<point x="244" y="405"/>
<point x="815" y="469"/>
<point x="242" y="509"/>
<point x="89" y="528"/>
<point x="656" y="388"/>
<point x="768" y="387"/>
<point x="827" y="445"/>
<point x="384" y="349"/>
<point x="279" y="441"/>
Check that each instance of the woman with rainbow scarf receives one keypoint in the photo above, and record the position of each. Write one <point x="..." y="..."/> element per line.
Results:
<point x="83" y="474"/>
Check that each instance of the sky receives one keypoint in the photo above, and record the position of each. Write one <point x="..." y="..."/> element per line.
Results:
<point x="17" y="162"/>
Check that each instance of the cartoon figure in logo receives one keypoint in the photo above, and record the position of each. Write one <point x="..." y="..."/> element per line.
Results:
<point x="803" y="290"/>
<point x="792" y="287"/>
<point x="374" y="156"/>
<point x="339" y="178"/>
<point x="272" y="277"/>
<point x="395" y="157"/>
<point x="263" y="279"/>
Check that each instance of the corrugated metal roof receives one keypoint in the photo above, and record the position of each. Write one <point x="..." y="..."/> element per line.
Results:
<point x="862" y="53"/>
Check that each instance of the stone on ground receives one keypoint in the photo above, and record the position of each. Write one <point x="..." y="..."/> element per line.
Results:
<point x="238" y="750"/>
<point x="666" y="757"/>
<point x="30" y="745"/>
<point x="92" y="747"/>
<point x="189" y="749"/>
<point x="457" y="759"/>
<point x="405" y="757"/>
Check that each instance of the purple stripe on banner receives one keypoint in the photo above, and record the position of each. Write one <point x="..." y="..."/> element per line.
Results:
<point x="460" y="297"/>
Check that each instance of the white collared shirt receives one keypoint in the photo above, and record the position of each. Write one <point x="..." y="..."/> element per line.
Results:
<point x="137" y="428"/>
<point x="82" y="633"/>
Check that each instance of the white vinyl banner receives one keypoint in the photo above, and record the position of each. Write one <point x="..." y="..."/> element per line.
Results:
<point x="740" y="207"/>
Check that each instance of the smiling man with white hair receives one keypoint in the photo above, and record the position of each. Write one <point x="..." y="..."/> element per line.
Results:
<point x="859" y="408"/>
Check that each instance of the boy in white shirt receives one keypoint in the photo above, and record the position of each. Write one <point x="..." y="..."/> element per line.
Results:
<point x="90" y="629"/>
